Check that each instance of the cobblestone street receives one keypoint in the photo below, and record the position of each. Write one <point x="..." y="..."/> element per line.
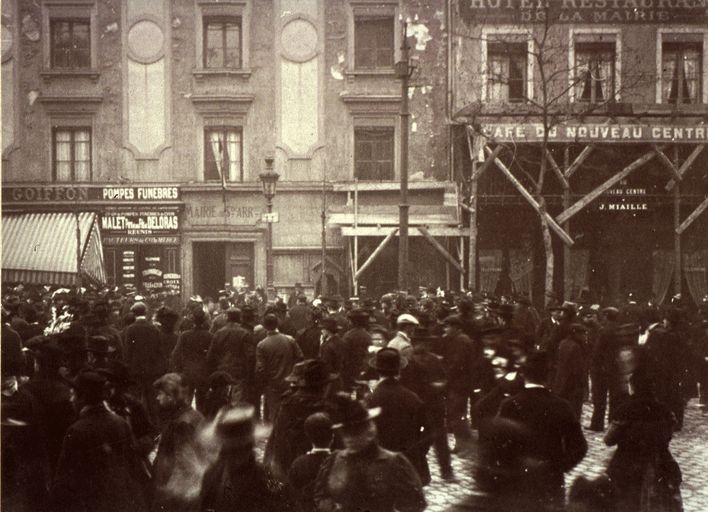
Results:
<point x="689" y="447"/>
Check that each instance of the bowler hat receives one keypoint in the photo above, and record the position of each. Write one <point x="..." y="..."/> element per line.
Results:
<point x="576" y="327"/>
<point x="139" y="309"/>
<point x="220" y="379"/>
<point x="358" y="313"/>
<point x="491" y="330"/>
<point x="629" y="329"/>
<point x="235" y="427"/>
<point x="295" y="378"/>
<point x="351" y="413"/>
<point x="117" y="372"/>
<point x="90" y="385"/>
<point x="328" y="323"/>
<point x="388" y="360"/>
<point x="453" y="320"/>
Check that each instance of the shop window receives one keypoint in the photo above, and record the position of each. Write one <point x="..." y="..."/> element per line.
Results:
<point x="70" y="43"/>
<point x="373" y="153"/>
<point x="222" y="43"/>
<point x="681" y="72"/>
<point x="111" y="262"/>
<point x="373" y="42"/>
<point x="223" y="150"/>
<point x="71" y="153"/>
<point x="506" y="72"/>
<point x="171" y="259"/>
<point x="594" y="72"/>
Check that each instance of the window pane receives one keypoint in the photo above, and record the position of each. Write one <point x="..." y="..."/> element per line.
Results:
<point x="233" y="158"/>
<point x="233" y="45"/>
<point x="373" y="156"/>
<point x="373" y="42"/>
<point x="594" y="71"/>
<point x="214" y="51"/>
<point x="213" y="154"/>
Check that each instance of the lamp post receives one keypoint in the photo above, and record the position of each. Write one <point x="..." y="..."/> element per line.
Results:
<point x="404" y="69"/>
<point x="269" y="180"/>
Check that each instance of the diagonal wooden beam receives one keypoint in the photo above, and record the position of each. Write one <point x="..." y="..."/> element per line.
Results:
<point x="667" y="163"/>
<point x="488" y="162"/>
<point x="556" y="169"/>
<point x="438" y="246"/>
<point x="527" y="195"/>
<point x="589" y="198"/>
<point x="686" y="164"/>
<point x="584" y="154"/>
<point x="694" y="215"/>
<point x="376" y="252"/>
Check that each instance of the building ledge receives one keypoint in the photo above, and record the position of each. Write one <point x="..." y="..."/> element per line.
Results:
<point x="50" y="74"/>
<point x="71" y="103"/>
<point x="203" y="73"/>
<point x="378" y="73"/>
<point x="366" y="186"/>
<point x="222" y="104"/>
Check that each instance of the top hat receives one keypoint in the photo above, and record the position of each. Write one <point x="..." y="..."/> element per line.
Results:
<point x="388" y="360"/>
<point x="315" y="373"/>
<point x="235" y="427"/>
<point x="351" y="413"/>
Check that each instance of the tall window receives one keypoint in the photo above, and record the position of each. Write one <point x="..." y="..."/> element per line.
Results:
<point x="70" y="43"/>
<point x="223" y="150"/>
<point x="222" y="43"/>
<point x="594" y="72"/>
<point x="373" y="43"/>
<point x="72" y="154"/>
<point x="506" y="73"/>
<point x="373" y="153"/>
<point x="681" y="72"/>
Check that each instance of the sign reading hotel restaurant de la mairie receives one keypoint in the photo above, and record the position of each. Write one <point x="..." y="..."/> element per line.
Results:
<point x="584" y="11"/>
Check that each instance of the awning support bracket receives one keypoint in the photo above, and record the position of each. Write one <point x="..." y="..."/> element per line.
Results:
<point x="527" y="195"/>
<point x="438" y="246"/>
<point x="686" y="164"/>
<point x="694" y="215"/>
<point x="598" y="191"/>
<point x="376" y="252"/>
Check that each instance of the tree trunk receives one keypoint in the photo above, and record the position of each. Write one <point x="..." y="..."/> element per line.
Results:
<point x="548" y="249"/>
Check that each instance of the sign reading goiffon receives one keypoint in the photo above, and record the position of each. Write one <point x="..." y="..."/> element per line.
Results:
<point x="584" y="11"/>
<point x="596" y="133"/>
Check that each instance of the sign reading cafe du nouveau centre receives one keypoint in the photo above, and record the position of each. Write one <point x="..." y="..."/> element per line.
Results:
<point x="623" y="133"/>
<point x="584" y="11"/>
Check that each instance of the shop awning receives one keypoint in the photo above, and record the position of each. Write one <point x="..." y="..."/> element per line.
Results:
<point x="41" y="248"/>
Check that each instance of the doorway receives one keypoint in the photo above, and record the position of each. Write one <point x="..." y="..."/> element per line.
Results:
<point x="218" y="263"/>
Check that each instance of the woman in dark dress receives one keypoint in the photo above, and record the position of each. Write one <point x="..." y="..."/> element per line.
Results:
<point x="644" y="473"/>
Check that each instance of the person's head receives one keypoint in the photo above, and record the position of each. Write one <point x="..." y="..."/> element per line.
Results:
<point x="139" y="309"/>
<point x="97" y="349"/>
<point x="355" y="425"/>
<point x="89" y="388"/>
<point x="407" y="323"/>
<point x="578" y="332"/>
<point x="536" y="368"/>
<point x="610" y="314"/>
<point x="235" y="430"/>
<point x="270" y="322"/>
<point x="388" y="362"/>
<point x="318" y="429"/>
<point x="491" y="337"/>
<point x="168" y="318"/>
<point x="301" y="300"/>
<point x="379" y="336"/>
<point x="199" y="317"/>
<point x="452" y="325"/>
<point x="328" y="325"/>
<point x="233" y="315"/>
<point x="172" y="391"/>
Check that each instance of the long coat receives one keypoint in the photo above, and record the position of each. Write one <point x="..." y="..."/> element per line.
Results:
<point x="93" y="474"/>
<point x="375" y="480"/>
<point x="229" y="351"/>
<point x="402" y="424"/>
<point x="569" y="380"/>
<point x="355" y="351"/>
<point x="142" y="350"/>
<point x="554" y="443"/>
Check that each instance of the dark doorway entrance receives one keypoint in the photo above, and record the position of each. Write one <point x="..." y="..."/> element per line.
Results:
<point x="218" y="263"/>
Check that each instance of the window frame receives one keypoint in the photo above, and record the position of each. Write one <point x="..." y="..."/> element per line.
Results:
<point x="680" y="51"/>
<point x="389" y="21"/>
<point x="214" y="9"/>
<point x="595" y="50"/>
<point x="52" y="46"/>
<point x="595" y="35"/>
<point x="73" y="130"/>
<point x="380" y="129"/>
<point x="681" y="34"/>
<point x="206" y="144"/>
<point x="507" y="34"/>
<point x="223" y="20"/>
<point x="360" y="9"/>
<point x="507" y="52"/>
<point x="56" y="10"/>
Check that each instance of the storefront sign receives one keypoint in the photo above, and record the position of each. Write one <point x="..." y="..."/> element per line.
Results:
<point x="141" y="240"/>
<point x="139" y="222"/>
<point x="583" y="11"/>
<point x="172" y="281"/>
<point x="588" y="133"/>
<point x="624" y="199"/>
<point x="78" y="193"/>
<point x="212" y="213"/>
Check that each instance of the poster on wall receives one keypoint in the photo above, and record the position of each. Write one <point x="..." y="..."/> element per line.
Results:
<point x="172" y="281"/>
<point x="128" y="268"/>
<point x="152" y="273"/>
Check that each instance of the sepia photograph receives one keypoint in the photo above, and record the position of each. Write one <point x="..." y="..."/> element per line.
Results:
<point x="354" y="256"/>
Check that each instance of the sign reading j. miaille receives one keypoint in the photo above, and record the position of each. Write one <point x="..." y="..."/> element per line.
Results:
<point x="584" y="11"/>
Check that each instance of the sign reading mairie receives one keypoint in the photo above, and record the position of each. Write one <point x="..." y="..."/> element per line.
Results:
<point x="584" y="11"/>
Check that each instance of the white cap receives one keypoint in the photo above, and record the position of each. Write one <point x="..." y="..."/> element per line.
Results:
<point x="406" y="318"/>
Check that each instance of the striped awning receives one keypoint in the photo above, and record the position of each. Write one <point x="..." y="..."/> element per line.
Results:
<point x="41" y="248"/>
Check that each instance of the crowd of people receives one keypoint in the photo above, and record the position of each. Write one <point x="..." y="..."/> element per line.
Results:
<point x="112" y="401"/>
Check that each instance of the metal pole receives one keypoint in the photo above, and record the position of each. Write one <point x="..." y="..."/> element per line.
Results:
<point x="269" y="248"/>
<point x="356" y="237"/>
<point x="323" y="267"/>
<point x="403" y="206"/>
<point x="472" y="256"/>
<point x="567" y="284"/>
<point x="78" y="250"/>
<point x="677" y="222"/>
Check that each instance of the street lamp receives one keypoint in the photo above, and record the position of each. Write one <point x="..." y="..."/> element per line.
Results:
<point x="403" y="70"/>
<point x="269" y="180"/>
